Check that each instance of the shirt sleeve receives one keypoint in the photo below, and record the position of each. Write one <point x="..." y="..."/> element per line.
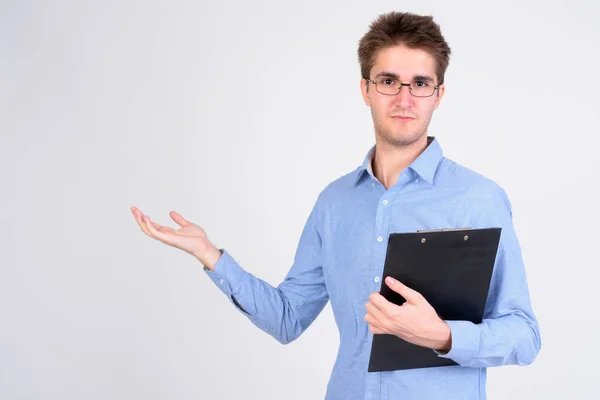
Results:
<point x="509" y="332"/>
<point x="287" y="310"/>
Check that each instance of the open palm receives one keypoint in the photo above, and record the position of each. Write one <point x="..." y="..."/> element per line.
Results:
<point x="190" y="237"/>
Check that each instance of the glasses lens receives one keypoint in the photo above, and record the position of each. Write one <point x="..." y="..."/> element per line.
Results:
<point x="422" y="89"/>
<point x="387" y="86"/>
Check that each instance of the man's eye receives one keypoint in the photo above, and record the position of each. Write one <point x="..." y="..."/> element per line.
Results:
<point x="387" y="82"/>
<point x="421" y="84"/>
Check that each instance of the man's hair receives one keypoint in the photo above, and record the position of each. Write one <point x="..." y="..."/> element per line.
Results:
<point x="413" y="31"/>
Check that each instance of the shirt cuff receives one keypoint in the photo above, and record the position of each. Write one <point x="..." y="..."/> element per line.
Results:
<point x="229" y="277"/>
<point x="465" y="342"/>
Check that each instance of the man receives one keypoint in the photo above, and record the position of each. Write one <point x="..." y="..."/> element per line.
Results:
<point x="404" y="184"/>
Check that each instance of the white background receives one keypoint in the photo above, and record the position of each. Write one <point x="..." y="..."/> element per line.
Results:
<point x="236" y="115"/>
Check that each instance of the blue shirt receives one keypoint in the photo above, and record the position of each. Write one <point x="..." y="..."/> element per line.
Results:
<point x="340" y="258"/>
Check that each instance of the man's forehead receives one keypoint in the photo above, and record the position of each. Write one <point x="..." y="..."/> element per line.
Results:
<point x="404" y="61"/>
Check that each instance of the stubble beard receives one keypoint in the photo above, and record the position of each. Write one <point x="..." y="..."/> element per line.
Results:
<point x="400" y="137"/>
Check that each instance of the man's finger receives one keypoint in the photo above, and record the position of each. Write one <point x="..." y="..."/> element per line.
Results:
<point x="375" y="330"/>
<point x="382" y="304"/>
<point x="139" y="218"/>
<point x="409" y="294"/>
<point x="371" y="320"/>
<point x="376" y="312"/>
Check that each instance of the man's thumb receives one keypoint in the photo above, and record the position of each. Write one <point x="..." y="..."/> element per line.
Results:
<point x="179" y="219"/>
<point x="403" y="290"/>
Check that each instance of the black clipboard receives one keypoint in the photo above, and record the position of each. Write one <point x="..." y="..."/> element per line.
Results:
<point x="452" y="269"/>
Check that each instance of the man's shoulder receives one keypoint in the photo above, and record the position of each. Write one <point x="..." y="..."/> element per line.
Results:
<point x="472" y="185"/>
<point x="341" y="185"/>
<point x="452" y="173"/>
<point x="338" y="190"/>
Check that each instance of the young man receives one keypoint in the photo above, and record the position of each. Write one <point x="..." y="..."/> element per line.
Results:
<point x="404" y="184"/>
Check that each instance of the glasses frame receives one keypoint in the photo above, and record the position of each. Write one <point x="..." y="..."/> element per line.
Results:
<point x="400" y="88"/>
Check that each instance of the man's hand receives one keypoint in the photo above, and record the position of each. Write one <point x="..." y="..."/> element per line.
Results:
<point x="190" y="238"/>
<point x="414" y="321"/>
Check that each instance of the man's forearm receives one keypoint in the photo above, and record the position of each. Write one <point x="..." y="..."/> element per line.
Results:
<point x="508" y="340"/>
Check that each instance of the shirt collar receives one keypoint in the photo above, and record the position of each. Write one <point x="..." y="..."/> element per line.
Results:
<point x="424" y="165"/>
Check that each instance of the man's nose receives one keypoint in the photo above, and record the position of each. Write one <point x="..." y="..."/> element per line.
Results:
<point x="404" y="98"/>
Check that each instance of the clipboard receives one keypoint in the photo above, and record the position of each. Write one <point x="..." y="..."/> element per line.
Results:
<point x="452" y="269"/>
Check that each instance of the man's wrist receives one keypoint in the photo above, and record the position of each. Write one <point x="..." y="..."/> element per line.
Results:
<point x="444" y="343"/>
<point x="210" y="258"/>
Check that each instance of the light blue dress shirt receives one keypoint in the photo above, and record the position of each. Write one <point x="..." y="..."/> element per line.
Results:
<point x="340" y="258"/>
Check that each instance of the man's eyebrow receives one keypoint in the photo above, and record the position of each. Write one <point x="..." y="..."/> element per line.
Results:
<point x="385" y="74"/>
<point x="423" y="78"/>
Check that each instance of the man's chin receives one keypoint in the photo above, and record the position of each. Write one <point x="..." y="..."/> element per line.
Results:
<point x="402" y="138"/>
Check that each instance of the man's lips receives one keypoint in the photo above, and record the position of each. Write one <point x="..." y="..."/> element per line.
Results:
<point x="402" y="117"/>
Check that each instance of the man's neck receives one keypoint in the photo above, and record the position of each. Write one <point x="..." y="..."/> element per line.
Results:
<point x="390" y="160"/>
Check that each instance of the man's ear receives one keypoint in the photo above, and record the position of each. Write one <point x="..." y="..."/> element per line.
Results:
<point x="440" y="93"/>
<point x="364" y="89"/>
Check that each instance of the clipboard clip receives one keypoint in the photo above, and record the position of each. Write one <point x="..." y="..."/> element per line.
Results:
<point x="444" y="230"/>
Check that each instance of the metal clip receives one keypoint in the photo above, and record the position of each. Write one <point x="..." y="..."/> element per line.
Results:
<point x="444" y="230"/>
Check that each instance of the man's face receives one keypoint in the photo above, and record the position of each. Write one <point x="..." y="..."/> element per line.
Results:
<point x="407" y="65"/>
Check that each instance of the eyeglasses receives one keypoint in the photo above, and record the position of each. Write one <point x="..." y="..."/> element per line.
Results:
<point x="391" y="87"/>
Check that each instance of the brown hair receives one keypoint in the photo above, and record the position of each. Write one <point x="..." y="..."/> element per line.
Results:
<point x="411" y="30"/>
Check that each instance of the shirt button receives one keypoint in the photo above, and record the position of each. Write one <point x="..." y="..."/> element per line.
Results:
<point x="385" y="202"/>
<point x="376" y="279"/>
<point x="417" y="180"/>
<point x="222" y="281"/>
<point x="380" y="239"/>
